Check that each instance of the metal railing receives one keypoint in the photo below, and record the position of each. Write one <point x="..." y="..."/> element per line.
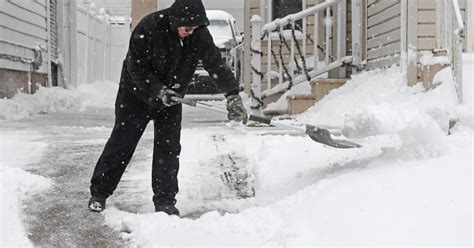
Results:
<point x="299" y="64"/>
<point x="451" y="37"/>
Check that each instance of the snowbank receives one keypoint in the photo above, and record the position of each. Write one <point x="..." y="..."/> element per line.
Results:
<point x="380" y="103"/>
<point x="419" y="192"/>
<point x="46" y="100"/>
<point x="16" y="184"/>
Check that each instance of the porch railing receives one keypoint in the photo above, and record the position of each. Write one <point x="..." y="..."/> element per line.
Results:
<point x="292" y="35"/>
<point x="451" y="37"/>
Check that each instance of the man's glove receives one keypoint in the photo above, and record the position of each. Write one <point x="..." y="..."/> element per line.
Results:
<point x="166" y="95"/>
<point x="236" y="109"/>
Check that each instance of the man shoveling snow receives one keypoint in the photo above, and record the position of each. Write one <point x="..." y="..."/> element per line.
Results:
<point x="163" y="53"/>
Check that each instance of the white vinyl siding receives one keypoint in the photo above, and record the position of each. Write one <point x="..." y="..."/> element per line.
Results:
<point x="383" y="32"/>
<point x="23" y="26"/>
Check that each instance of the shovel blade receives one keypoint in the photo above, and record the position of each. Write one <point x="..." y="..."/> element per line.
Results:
<point x="323" y="136"/>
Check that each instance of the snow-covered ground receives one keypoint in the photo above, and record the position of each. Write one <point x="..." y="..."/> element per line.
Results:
<point x="21" y="148"/>
<point x="410" y="184"/>
<point x="16" y="150"/>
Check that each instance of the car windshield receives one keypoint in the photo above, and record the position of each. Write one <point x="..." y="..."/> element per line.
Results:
<point x="220" y="28"/>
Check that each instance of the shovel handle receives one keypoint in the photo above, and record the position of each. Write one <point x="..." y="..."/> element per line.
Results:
<point x="184" y="101"/>
<point x="193" y="103"/>
<point x="260" y="119"/>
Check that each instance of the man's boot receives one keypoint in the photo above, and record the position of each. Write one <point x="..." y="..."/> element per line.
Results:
<point x="97" y="204"/>
<point x="168" y="209"/>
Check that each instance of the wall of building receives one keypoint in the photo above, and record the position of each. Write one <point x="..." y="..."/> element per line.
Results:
<point x="383" y="32"/>
<point x="13" y="81"/>
<point x="58" y="43"/>
<point x="141" y="8"/>
<point x="23" y="44"/>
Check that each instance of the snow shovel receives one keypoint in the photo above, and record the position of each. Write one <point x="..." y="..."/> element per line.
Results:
<point x="317" y="134"/>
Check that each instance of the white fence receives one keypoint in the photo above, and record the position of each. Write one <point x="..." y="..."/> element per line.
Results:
<point x="101" y="45"/>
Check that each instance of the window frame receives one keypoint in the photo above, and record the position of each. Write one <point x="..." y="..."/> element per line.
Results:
<point x="267" y="13"/>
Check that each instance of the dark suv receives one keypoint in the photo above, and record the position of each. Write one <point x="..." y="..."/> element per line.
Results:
<point x="226" y="37"/>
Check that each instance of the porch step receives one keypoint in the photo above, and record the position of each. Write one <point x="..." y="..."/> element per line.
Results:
<point x="272" y="98"/>
<point x="300" y="103"/>
<point x="297" y="104"/>
<point x="322" y="86"/>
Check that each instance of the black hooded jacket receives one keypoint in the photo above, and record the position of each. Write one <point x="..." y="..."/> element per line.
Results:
<point x="158" y="57"/>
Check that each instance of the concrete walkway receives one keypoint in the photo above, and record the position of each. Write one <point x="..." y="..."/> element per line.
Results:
<point x="59" y="217"/>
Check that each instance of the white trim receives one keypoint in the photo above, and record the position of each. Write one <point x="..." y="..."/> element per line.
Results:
<point x="469" y="26"/>
<point x="357" y="32"/>
<point x="341" y="34"/>
<point x="48" y="40"/>
<point x="269" y="13"/>
<point x="263" y="12"/>
<point x="412" y="39"/>
<point x="403" y="36"/>
<point x="439" y="41"/>
<point x="72" y="43"/>
<point x="305" y="23"/>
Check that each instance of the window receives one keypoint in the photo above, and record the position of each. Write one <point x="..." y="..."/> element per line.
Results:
<point x="282" y="8"/>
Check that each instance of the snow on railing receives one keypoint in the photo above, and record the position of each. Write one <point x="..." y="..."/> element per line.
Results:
<point x="292" y="68"/>
<point x="451" y="37"/>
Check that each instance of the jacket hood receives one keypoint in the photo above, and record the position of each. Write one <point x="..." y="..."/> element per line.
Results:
<point x="188" y="13"/>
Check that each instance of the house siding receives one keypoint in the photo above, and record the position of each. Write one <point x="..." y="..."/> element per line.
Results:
<point x="426" y="25"/>
<point x="23" y="28"/>
<point x="383" y="32"/>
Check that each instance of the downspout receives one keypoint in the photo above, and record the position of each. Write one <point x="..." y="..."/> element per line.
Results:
<point x="48" y="40"/>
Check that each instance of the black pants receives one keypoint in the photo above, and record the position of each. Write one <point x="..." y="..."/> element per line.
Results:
<point x="131" y="118"/>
